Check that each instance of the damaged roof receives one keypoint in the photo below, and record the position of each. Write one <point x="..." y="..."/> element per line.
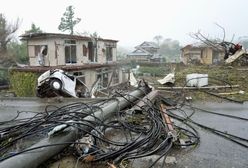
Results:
<point x="201" y="45"/>
<point x="59" y="35"/>
<point x="196" y="45"/>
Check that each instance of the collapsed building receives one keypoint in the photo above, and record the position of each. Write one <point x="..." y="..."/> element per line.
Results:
<point x="201" y="53"/>
<point x="87" y="58"/>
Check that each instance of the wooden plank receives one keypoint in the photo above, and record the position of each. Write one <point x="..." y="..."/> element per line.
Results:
<point x="198" y="88"/>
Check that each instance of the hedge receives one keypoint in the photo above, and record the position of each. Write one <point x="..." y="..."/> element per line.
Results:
<point x="23" y="83"/>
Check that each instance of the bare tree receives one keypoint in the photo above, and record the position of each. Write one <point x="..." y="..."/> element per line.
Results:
<point x="158" y="39"/>
<point x="219" y="44"/>
<point x="7" y="32"/>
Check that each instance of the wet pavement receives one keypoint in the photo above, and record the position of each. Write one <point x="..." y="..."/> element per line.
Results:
<point x="213" y="151"/>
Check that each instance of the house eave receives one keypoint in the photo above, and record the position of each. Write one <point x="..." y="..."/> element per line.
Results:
<point x="30" y="36"/>
<point x="40" y="69"/>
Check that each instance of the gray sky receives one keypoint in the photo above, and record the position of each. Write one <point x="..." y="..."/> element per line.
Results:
<point x="134" y="21"/>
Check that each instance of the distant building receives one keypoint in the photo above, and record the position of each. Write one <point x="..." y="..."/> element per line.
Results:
<point x="88" y="58"/>
<point x="146" y="52"/>
<point x="201" y="53"/>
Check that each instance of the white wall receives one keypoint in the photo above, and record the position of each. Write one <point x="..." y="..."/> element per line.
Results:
<point x="52" y="43"/>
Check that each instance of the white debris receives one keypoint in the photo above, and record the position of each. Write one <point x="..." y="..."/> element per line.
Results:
<point x="197" y="80"/>
<point x="182" y="142"/>
<point x="59" y="128"/>
<point x="133" y="81"/>
<point x="170" y="78"/>
<point x="188" y="98"/>
<point x="241" y="92"/>
<point x="235" y="56"/>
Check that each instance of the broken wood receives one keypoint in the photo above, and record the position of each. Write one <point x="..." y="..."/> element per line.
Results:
<point x="197" y="88"/>
<point x="150" y="97"/>
<point x="166" y="118"/>
<point x="226" y="98"/>
<point x="232" y="93"/>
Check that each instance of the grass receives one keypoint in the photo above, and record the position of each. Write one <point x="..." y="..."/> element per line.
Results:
<point x="217" y="75"/>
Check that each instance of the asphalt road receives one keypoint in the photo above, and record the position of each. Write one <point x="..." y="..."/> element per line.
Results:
<point x="215" y="151"/>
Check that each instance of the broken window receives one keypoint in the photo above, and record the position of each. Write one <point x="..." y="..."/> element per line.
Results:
<point x="102" y="74"/>
<point x="91" y="52"/>
<point x="115" y="76"/>
<point x="109" y="53"/>
<point x="70" y="51"/>
<point x="80" y="75"/>
<point x="85" y="50"/>
<point x="40" y="51"/>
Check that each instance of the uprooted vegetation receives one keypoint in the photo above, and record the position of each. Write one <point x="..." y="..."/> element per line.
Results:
<point x="217" y="76"/>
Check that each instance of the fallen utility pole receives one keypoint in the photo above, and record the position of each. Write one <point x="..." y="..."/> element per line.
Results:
<point x="197" y="88"/>
<point x="53" y="145"/>
<point x="146" y="100"/>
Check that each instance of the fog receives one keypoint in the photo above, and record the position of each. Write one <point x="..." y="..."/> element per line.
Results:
<point x="134" y="21"/>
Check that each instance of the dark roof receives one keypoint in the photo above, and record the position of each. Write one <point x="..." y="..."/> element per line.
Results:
<point x="59" y="35"/>
<point x="148" y="44"/>
<point x="140" y="52"/>
<point x="200" y="45"/>
<point x="196" y="45"/>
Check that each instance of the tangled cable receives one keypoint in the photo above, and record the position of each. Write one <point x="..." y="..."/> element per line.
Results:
<point x="141" y="132"/>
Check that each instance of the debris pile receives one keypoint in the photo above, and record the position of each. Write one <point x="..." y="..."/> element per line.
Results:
<point x="113" y="131"/>
<point x="105" y="131"/>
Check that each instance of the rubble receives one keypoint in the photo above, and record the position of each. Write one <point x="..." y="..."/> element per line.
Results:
<point x="115" y="131"/>
<point x="168" y="79"/>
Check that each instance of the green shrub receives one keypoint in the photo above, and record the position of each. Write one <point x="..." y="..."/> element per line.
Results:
<point x="3" y="77"/>
<point x="154" y="71"/>
<point x="23" y="83"/>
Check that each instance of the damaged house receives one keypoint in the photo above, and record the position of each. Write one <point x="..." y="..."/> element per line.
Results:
<point x="201" y="53"/>
<point x="146" y="52"/>
<point x="87" y="58"/>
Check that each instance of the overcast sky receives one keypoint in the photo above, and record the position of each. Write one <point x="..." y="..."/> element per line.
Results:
<point x="134" y="21"/>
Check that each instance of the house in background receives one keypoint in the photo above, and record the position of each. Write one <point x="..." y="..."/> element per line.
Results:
<point x="201" y="53"/>
<point x="146" y="52"/>
<point x="87" y="58"/>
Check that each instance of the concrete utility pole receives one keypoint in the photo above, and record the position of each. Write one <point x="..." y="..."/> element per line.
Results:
<point x="36" y="157"/>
